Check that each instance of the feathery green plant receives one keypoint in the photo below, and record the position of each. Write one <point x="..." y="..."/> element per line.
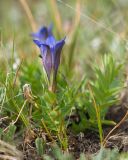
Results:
<point x="100" y="94"/>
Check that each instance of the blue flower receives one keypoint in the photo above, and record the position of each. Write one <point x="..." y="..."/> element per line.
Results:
<point x="43" y="33"/>
<point x="50" y="50"/>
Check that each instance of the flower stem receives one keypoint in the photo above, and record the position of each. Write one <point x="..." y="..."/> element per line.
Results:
<point x="52" y="85"/>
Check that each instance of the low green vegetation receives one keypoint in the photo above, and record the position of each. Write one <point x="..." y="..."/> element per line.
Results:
<point x="88" y="82"/>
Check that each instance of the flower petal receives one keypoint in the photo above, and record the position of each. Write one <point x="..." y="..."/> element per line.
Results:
<point x="47" y="59"/>
<point x="50" y="41"/>
<point x="58" y="48"/>
<point x="42" y="34"/>
<point x="37" y="42"/>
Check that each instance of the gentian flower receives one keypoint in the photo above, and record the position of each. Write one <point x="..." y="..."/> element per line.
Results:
<point x="50" y="51"/>
<point x="43" y="33"/>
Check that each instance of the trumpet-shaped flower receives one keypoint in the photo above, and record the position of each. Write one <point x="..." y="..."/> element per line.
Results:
<point x="50" y="51"/>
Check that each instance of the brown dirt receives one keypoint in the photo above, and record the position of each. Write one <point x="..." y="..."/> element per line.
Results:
<point x="84" y="142"/>
<point x="119" y="138"/>
<point x="87" y="142"/>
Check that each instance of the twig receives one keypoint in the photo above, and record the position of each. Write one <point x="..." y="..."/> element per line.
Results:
<point x="97" y="115"/>
<point x="17" y="116"/>
<point x="5" y="91"/>
<point x="29" y="14"/>
<point x="11" y="152"/>
<point x="3" y="118"/>
<point x="30" y="17"/>
<point x="56" y="15"/>
<point x="6" y="157"/>
<point x="122" y="120"/>
<point x="77" y="16"/>
<point x="17" y="73"/>
<point x="48" y="131"/>
<point x="20" y="112"/>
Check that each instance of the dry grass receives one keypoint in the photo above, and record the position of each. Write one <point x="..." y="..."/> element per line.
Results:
<point x="9" y="152"/>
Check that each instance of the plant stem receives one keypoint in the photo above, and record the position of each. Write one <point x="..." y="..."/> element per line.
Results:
<point x="97" y="108"/>
<point x="122" y="120"/>
<point x="48" y="131"/>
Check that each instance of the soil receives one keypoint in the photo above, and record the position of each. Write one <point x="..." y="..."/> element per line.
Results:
<point x="88" y="142"/>
<point x="85" y="142"/>
<point x="119" y="138"/>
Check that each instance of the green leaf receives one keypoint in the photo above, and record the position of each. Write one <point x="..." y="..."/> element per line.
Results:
<point x="39" y="146"/>
<point x="9" y="136"/>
